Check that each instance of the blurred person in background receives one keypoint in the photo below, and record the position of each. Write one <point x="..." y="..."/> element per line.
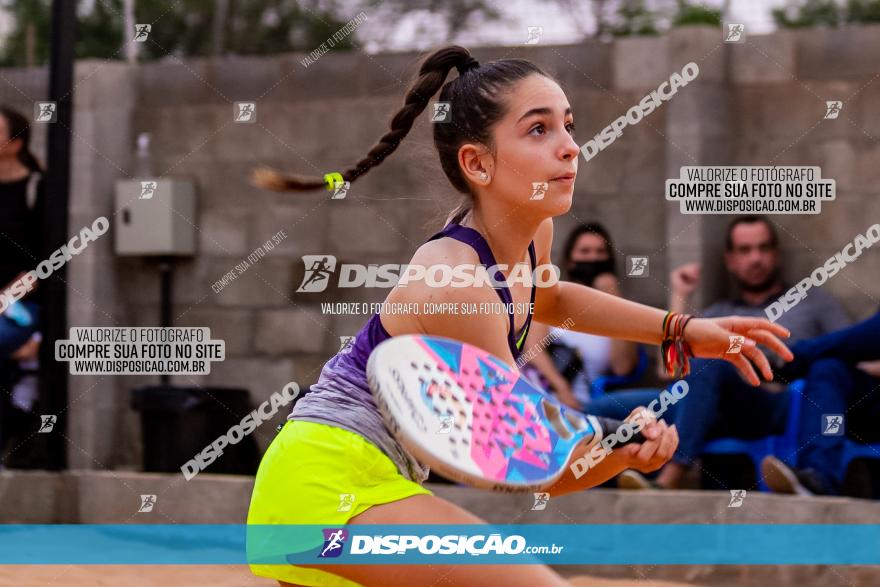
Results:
<point x="842" y="373"/>
<point x="722" y="404"/>
<point x="575" y="359"/>
<point x="21" y="194"/>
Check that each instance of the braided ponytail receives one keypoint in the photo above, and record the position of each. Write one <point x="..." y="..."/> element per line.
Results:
<point x="432" y="75"/>
<point x="478" y="100"/>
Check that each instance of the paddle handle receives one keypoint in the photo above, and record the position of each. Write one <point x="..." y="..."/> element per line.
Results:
<point x="609" y="426"/>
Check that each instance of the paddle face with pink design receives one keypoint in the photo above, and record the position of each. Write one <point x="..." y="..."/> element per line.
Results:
<point x="472" y="418"/>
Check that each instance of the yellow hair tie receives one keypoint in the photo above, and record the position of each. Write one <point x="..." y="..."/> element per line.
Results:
<point x="332" y="179"/>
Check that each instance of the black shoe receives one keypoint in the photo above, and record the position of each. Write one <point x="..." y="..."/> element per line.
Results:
<point x="858" y="481"/>
<point x="781" y="478"/>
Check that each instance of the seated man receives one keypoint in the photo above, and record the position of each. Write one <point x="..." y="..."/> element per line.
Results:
<point x="720" y="402"/>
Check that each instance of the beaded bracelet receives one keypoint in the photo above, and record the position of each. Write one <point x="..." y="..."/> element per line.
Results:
<point x="674" y="349"/>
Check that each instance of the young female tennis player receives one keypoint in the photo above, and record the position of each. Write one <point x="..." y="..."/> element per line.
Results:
<point x="511" y="125"/>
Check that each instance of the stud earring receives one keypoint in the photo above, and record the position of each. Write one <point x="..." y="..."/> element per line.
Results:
<point x="484" y="176"/>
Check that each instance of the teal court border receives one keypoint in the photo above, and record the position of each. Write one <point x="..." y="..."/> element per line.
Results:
<point x="593" y="544"/>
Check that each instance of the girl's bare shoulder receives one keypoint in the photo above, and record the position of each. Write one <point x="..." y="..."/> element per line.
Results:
<point x="425" y="295"/>
<point x="440" y="253"/>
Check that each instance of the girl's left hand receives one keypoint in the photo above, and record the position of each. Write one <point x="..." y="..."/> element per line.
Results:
<point x="734" y="339"/>
<point x="661" y="441"/>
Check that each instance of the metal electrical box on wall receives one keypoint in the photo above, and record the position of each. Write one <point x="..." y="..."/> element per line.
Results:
<point x="155" y="217"/>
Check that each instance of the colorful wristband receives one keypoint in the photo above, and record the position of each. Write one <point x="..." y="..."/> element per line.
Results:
<point x="674" y="349"/>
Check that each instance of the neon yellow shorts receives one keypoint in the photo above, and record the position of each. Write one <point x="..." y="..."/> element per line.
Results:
<point x="306" y="470"/>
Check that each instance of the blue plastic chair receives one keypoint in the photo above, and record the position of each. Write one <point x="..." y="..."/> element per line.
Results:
<point x="599" y="386"/>
<point x="783" y="446"/>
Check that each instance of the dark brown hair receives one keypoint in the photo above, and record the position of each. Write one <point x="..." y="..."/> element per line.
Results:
<point x="751" y="219"/>
<point x="587" y="228"/>
<point x="20" y="128"/>
<point x="476" y="99"/>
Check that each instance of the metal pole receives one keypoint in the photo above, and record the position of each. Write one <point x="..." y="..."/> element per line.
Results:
<point x="128" y="31"/>
<point x="53" y="383"/>
<point x="218" y="27"/>
<point x="166" y="285"/>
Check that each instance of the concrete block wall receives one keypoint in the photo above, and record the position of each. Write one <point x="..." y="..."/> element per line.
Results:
<point x="757" y="103"/>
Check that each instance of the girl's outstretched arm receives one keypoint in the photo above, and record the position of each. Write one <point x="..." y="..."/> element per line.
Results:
<point x="590" y="310"/>
<point x="596" y="312"/>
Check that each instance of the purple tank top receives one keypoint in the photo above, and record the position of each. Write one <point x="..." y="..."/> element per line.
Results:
<point x="341" y="397"/>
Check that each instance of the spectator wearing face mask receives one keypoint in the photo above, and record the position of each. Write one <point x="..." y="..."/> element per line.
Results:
<point x="588" y="260"/>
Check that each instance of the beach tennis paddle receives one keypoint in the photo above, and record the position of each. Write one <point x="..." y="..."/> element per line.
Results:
<point x="472" y="418"/>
